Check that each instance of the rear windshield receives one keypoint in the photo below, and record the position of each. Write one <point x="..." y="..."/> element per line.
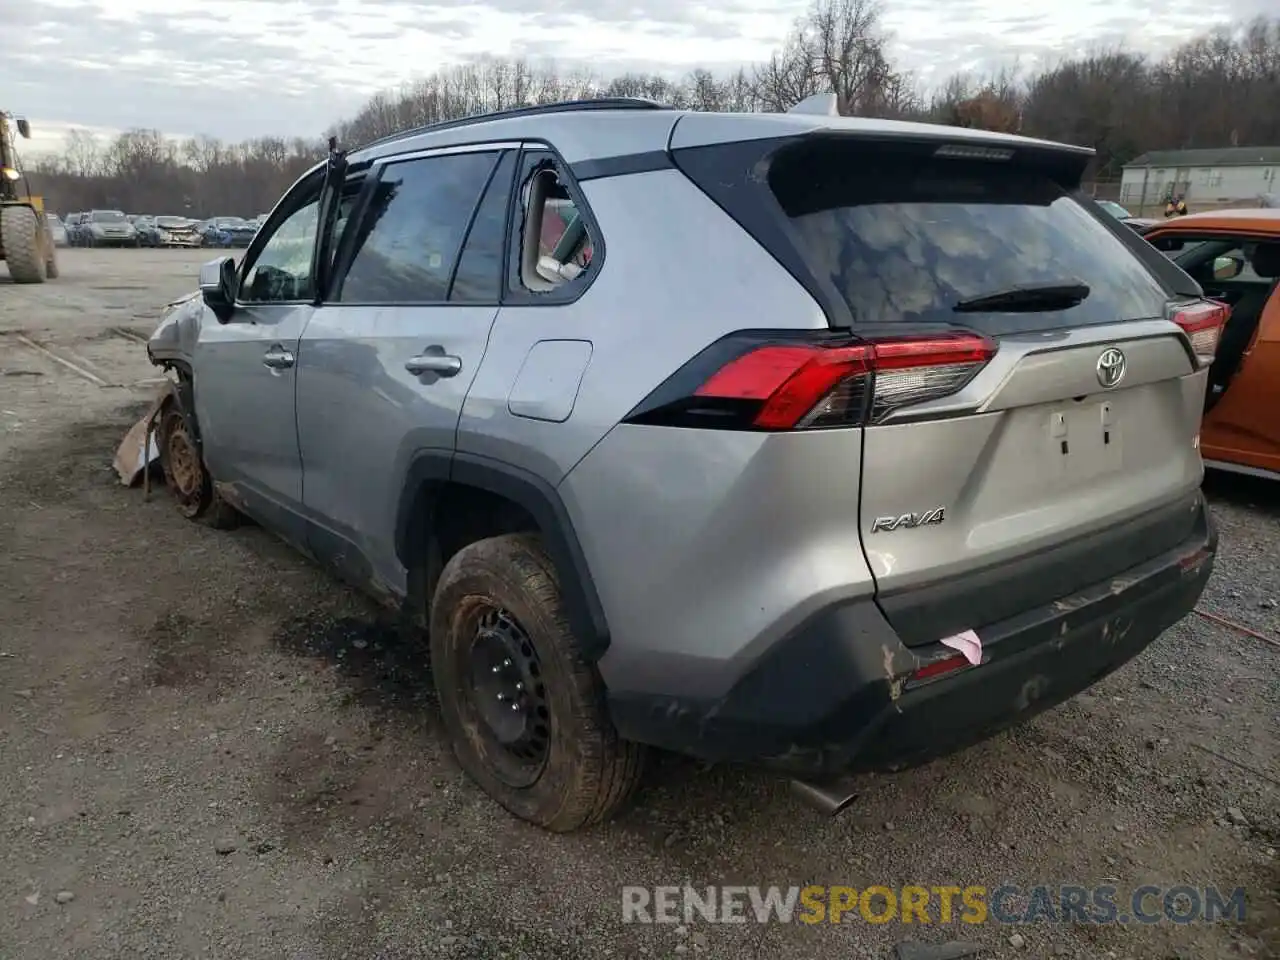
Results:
<point x="903" y="242"/>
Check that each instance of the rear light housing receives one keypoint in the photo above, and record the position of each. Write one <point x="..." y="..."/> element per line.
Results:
<point x="937" y="669"/>
<point x="774" y="382"/>
<point x="1202" y="321"/>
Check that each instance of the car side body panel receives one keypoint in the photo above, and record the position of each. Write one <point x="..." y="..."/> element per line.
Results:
<point x="1241" y="431"/>
<point x="695" y="284"/>
<point x="1243" y="428"/>
<point x="708" y="547"/>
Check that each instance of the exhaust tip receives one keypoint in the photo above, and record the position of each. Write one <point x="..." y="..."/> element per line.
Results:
<point x="829" y="798"/>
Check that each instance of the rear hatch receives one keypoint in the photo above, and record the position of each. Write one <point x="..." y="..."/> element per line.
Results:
<point x="1058" y="452"/>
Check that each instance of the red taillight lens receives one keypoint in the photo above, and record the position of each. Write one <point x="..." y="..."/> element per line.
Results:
<point x="1202" y="321"/>
<point x="806" y="386"/>
<point x="939" y="668"/>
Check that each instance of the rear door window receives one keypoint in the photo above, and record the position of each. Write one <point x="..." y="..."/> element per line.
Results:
<point x="903" y="242"/>
<point x="478" y="276"/>
<point x="413" y="228"/>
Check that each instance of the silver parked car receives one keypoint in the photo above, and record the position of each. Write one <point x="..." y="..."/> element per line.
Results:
<point x="57" y="229"/>
<point x="177" y="232"/>
<point x="108" y="228"/>
<point x="827" y="444"/>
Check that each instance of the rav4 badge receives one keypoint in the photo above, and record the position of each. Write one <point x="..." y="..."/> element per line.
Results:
<point x="909" y="521"/>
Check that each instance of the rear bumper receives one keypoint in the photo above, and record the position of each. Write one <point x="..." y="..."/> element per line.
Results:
<point x="835" y="696"/>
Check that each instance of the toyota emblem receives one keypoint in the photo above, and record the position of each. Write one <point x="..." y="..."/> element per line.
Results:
<point x="1111" y="367"/>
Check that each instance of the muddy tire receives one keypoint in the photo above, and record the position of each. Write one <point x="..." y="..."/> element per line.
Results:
<point x="22" y="237"/>
<point x="185" y="475"/>
<point x="524" y="712"/>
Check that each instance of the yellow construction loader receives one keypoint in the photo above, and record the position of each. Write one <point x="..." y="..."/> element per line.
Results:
<point x="26" y="243"/>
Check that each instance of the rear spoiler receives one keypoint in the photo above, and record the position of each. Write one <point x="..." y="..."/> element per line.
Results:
<point x="814" y="118"/>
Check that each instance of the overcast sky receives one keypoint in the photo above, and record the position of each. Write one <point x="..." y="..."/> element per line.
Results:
<point x="243" y="68"/>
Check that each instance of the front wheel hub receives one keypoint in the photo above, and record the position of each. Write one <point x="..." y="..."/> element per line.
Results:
<point x="184" y="462"/>
<point x="507" y="691"/>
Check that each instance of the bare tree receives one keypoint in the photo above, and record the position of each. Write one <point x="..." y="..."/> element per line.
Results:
<point x="82" y="154"/>
<point x="790" y="75"/>
<point x="849" y="50"/>
<point x="1217" y="90"/>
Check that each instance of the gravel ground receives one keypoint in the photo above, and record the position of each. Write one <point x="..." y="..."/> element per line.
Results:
<point x="210" y="749"/>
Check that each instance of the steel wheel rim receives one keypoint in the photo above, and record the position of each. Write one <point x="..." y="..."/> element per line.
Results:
<point x="186" y="476"/>
<point x="506" y="694"/>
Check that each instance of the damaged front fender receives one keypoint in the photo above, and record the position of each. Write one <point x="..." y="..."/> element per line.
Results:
<point x="138" y="450"/>
<point x="174" y="340"/>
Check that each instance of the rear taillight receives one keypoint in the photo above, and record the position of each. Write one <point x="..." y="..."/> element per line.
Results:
<point x="938" y="668"/>
<point x="754" y="382"/>
<point x="1202" y="321"/>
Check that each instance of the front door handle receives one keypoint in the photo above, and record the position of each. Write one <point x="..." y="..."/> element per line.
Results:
<point x="278" y="358"/>
<point x="441" y="364"/>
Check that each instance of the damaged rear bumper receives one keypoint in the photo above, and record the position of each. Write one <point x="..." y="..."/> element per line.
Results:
<point x="836" y="696"/>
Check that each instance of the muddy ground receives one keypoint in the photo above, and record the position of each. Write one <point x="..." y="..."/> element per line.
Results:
<point x="210" y="749"/>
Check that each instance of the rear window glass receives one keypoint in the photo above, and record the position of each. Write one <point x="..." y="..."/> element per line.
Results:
<point x="903" y="242"/>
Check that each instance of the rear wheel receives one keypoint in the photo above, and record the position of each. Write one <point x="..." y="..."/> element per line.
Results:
<point x="185" y="475"/>
<point x="524" y="712"/>
<point x="22" y="237"/>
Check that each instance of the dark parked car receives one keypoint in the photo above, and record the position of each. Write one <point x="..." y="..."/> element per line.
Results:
<point x="146" y="228"/>
<point x="73" y="223"/>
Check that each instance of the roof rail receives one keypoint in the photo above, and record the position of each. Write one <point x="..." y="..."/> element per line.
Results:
<point x="563" y="106"/>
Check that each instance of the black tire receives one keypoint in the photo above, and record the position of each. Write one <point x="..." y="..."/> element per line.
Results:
<point x="585" y="772"/>
<point x="186" y="476"/>
<point x="22" y="238"/>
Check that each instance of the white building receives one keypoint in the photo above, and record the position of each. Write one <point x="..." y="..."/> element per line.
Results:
<point x="1225" y="177"/>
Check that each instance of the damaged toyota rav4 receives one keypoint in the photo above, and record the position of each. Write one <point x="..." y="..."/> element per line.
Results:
<point x="823" y="444"/>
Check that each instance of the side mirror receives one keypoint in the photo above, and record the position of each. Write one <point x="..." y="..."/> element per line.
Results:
<point x="1227" y="268"/>
<point x="24" y="128"/>
<point x="218" y="287"/>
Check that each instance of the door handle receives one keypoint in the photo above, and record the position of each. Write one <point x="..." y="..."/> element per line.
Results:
<point x="442" y="364"/>
<point x="278" y="358"/>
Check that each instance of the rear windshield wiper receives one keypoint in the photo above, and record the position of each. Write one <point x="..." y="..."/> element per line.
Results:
<point x="1027" y="298"/>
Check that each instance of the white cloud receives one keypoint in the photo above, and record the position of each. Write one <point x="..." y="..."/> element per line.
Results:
<point x="240" y="68"/>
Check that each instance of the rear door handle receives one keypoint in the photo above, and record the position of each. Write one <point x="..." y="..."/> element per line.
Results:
<point x="278" y="358"/>
<point x="442" y="364"/>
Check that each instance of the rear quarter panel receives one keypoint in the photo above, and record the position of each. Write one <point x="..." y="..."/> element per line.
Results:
<point x="678" y="275"/>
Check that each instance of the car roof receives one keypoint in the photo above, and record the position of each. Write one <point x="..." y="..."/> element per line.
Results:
<point x="1260" y="219"/>
<point x="596" y="129"/>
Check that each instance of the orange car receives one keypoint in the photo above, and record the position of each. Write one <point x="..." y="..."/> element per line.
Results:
<point x="1235" y="257"/>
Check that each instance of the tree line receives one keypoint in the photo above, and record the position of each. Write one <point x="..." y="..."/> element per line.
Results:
<point x="1220" y="89"/>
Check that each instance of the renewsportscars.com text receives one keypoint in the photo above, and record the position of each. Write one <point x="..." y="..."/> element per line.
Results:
<point x="1006" y="904"/>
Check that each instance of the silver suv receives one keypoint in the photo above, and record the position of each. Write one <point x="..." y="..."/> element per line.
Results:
<point x="826" y="444"/>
